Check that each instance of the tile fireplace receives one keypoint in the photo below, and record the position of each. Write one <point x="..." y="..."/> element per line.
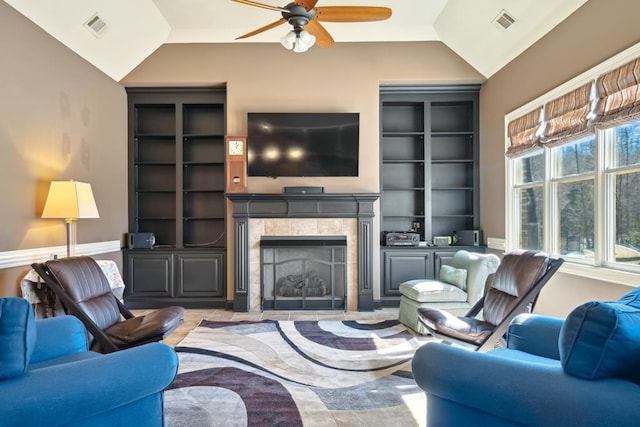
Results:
<point x="270" y="216"/>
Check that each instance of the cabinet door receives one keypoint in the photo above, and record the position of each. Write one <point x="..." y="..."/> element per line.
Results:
<point x="441" y="258"/>
<point x="400" y="266"/>
<point x="200" y="274"/>
<point x="149" y="274"/>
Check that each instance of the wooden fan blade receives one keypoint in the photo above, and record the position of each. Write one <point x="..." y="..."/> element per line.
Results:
<point x="352" y="13"/>
<point x="262" y="5"/>
<point x="323" y="38"/>
<point x="263" y="29"/>
<point x="307" y="4"/>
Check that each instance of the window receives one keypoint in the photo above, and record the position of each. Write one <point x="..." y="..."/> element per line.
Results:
<point x="575" y="192"/>
<point x="530" y="201"/>
<point x="558" y="209"/>
<point x="622" y="185"/>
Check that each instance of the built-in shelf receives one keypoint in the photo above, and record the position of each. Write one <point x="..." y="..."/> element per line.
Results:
<point x="428" y="165"/>
<point x="177" y="182"/>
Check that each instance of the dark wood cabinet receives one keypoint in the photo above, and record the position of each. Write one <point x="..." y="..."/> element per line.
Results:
<point x="160" y="277"/>
<point x="200" y="274"/>
<point x="429" y="176"/>
<point x="148" y="274"/>
<point x="402" y="264"/>
<point x="176" y="192"/>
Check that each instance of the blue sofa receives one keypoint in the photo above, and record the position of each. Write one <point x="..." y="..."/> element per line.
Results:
<point x="580" y="371"/>
<point x="48" y="377"/>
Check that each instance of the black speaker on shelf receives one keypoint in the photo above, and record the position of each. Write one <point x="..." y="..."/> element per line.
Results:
<point x="469" y="237"/>
<point x="141" y="240"/>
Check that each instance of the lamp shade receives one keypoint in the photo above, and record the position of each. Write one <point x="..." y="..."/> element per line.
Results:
<point x="70" y="200"/>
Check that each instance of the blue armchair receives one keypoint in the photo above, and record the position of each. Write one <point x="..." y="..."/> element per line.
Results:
<point x="582" y="371"/>
<point x="48" y="377"/>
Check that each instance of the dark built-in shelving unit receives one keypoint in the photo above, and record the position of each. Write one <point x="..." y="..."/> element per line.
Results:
<point x="429" y="170"/>
<point x="176" y="192"/>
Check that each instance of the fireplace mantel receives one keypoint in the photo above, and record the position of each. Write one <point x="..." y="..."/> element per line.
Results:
<point x="310" y="205"/>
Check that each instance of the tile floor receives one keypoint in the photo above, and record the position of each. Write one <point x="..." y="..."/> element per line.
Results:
<point x="192" y="317"/>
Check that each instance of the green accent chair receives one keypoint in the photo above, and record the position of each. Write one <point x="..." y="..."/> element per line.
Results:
<point x="461" y="284"/>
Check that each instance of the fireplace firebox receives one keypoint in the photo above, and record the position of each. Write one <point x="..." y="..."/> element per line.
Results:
<point x="303" y="272"/>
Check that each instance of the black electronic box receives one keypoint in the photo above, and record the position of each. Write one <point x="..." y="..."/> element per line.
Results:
<point x="401" y="238"/>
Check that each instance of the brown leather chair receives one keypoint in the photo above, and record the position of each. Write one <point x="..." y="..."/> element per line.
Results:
<point x="513" y="289"/>
<point x="84" y="292"/>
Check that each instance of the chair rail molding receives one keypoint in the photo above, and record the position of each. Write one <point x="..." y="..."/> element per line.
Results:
<point x="25" y="257"/>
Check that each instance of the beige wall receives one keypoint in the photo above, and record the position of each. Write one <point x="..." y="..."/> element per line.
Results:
<point x="60" y="119"/>
<point x="266" y="77"/>
<point x="592" y="34"/>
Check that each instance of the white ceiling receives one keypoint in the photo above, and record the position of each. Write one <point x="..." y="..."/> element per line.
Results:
<point x="136" y="28"/>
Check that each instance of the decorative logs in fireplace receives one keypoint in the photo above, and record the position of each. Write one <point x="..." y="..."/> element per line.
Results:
<point x="297" y="285"/>
<point x="303" y="272"/>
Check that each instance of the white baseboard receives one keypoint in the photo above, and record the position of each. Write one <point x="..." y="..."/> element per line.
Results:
<point x="24" y="257"/>
<point x="496" y="244"/>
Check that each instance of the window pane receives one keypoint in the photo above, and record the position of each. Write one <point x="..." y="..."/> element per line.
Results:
<point x="531" y="218"/>
<point x="576" y="213"/>
<point x="574" y="159"/>
<point x="627" y="247"/>
<point x="530" y="169"/>
<point x="627" y="145"/>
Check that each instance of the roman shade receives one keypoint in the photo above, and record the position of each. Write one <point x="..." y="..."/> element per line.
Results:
<point x="566" y="117"/>
<point x="618" y="95"/>
<point x="522" y="132"/>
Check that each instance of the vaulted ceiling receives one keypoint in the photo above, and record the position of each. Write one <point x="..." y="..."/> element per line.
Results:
<point x="134" y="29"/>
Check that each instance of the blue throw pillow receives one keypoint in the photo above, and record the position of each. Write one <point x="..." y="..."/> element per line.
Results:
<point x="602" y="340"/>
<point x="17" y="336"/>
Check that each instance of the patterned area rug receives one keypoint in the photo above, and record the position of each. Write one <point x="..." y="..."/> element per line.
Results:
<point x="295" y="373"/>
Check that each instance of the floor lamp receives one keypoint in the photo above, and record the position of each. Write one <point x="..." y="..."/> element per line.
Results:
<point x="70" y="200"/>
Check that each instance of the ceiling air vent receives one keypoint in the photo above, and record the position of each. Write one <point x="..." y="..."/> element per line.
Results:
<point x="96" y="25"/>
<point x="504" y="20"/>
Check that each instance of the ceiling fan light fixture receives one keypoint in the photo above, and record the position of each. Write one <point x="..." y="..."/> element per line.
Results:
<point x="300" y="48"/>
<point x="298" y="40"/>
<point x="307" y="38"/>
<point x="288" y="40"/>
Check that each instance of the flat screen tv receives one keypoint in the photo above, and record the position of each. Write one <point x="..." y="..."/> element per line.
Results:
<point x="303" y="144"/>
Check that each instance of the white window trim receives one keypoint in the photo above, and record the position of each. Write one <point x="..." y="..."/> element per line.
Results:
<point x="616" y="275"/>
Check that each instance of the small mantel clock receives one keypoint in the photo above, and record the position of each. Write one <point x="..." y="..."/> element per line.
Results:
<point x="236" y="164"/>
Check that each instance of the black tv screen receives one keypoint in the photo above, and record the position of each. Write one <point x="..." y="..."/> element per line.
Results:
<point x="303" y="144"/>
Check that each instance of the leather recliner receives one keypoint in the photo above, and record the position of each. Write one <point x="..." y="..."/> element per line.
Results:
<point x="84" y="291"/>
<point x="513" y="289"/>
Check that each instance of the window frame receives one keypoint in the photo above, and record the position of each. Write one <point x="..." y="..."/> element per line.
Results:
<point x="554" y="181"/>
<point x="603" y="178"/>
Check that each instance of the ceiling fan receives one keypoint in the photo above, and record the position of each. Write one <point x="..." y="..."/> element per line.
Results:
<point x="305" y="17"/>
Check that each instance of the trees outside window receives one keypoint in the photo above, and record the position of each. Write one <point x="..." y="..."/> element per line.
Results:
<point x="590" y="190"/>
<point x="623" y="180"/>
